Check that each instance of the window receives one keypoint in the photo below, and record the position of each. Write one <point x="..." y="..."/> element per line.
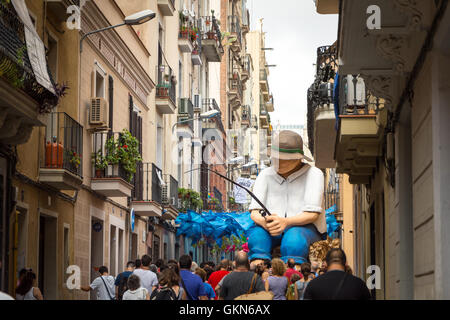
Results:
<point x="162" y="37"/>
<point x="66" y="250"/>
<point x="159" y="146"/>
<point x="180" y="78"/>
<point x="52" y="56"/>
<point x="99" y="81"/>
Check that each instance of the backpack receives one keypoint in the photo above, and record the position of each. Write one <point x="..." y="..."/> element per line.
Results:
<point x="290" y="295"/>
<point x="163" y="294"/>
<point x="122" y="287"/>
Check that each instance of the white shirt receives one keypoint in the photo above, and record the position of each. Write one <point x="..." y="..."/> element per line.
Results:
<point x="98" y="285"/>
<point x="138" y="294"/>
<point x="301" y="191"/>
<point x="148" y="279"/>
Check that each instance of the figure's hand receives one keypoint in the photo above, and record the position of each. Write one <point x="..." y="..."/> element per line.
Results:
<point x="276" y="224"/>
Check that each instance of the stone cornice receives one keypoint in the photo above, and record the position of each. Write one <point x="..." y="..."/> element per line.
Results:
<point x="116" y="53"/>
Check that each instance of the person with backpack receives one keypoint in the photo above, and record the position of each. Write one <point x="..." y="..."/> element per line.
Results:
<point x="168" y="286"/>
<point x="135" y="291"/>
<point x="122" y="280"/>
<point x="104" y="284"/>
<point x="290" y="295"/>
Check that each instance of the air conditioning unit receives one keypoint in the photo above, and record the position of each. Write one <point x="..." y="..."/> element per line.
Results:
<point x="98" y="112"/>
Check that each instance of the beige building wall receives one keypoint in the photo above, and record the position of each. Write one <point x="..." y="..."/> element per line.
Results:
<point x="348" y="223"/>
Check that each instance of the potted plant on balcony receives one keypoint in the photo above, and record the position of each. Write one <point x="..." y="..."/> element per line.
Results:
<point x="100" y="163"/>
<point x="128" y="153"/>
<point x="74" y="159"/>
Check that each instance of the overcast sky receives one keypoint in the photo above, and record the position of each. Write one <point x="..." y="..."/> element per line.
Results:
<point x="295" y="30"/>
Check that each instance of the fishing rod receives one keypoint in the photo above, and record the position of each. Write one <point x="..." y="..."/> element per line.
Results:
<point x="264" y="211"/>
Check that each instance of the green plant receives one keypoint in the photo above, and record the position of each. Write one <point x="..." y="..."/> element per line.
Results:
<point x="190" y="200"/>
<point x="99" y="161"/>
<point x="123" y="151"/>
<point x="128" y="153"/>
<point x="74" y="158"/>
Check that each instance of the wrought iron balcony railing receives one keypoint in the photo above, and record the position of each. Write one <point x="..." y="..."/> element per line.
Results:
<point x="211" y="30"/>
<point x="166" y="87"/>
<point x="262" y="75"/>
<point x="15" y="65"/>
<point x="246" y="114"/>
<point x="234" y="27"/>
<point x="326" y="63"/>
<point x="235" y="83"/>
<point x="355" y="98"/>
<point x="211" y="104"/>
<point x="63" y="144"/>
<point x="104" y="156"/>
<point x="152" y="183"/>
<point x="186" y="111"/>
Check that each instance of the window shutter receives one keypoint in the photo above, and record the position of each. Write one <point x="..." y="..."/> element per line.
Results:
<point x="111" y="101"/>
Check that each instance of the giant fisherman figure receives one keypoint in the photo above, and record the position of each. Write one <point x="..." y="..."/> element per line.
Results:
<point x="292" y="192"/>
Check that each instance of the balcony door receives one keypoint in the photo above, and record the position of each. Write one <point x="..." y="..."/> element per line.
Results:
<point x="159" y="146"/>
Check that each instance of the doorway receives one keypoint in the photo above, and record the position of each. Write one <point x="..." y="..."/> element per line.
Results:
<point x="21" y="245"/>
<point x="96" y="250"/>
<point x="47" y="274"/>
<point x="112" y="251"/>
<point x="134" y="245"/>
<point x="121" y="260"/>
<point x="156" y="246"/>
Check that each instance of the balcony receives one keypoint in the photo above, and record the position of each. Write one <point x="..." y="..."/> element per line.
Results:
<point x="235" y="90"/>
<point x="269" y="104"/>
<point x="211" y="40"/>
<point x="187" y="35"/>
<point x="327" y="6"/>
<point x="264" y="119"/>
<point x="22" y="98"/>
<point x="109" y="178"/>
<point x="165" y="90"/>
<point x="245" y="22"/>
<point x="362" y="118"/>
<point x="196" y="55"/>
<point x="186" y="111"/>
<point x="321" y="116"/>
<point x="148" y="203"/>
<point x="234" y="27"/>
<point x="62" y="151"/>
<point x="264" y="84"/>
<point x="246" y="119"/>
<point x="167" y="7"/>
<point x="170" y="198"/>
<point x="213" y="123"/>
<point x="246" y="68"/>
<point x="254" y="122"/>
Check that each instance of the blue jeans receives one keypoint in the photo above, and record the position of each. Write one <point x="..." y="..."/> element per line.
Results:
<point x="295" y="242"/>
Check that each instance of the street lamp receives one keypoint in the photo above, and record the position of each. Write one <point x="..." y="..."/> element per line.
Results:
<point x="205" y="115"/>
<point x="132" y="20"/>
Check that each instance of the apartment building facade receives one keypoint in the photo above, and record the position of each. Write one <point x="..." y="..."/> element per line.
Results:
<point x="261" y="103"/>
<point x="392" y="140"/>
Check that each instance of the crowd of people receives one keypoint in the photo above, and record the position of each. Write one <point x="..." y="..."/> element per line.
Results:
<point x="230" y="280"/>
